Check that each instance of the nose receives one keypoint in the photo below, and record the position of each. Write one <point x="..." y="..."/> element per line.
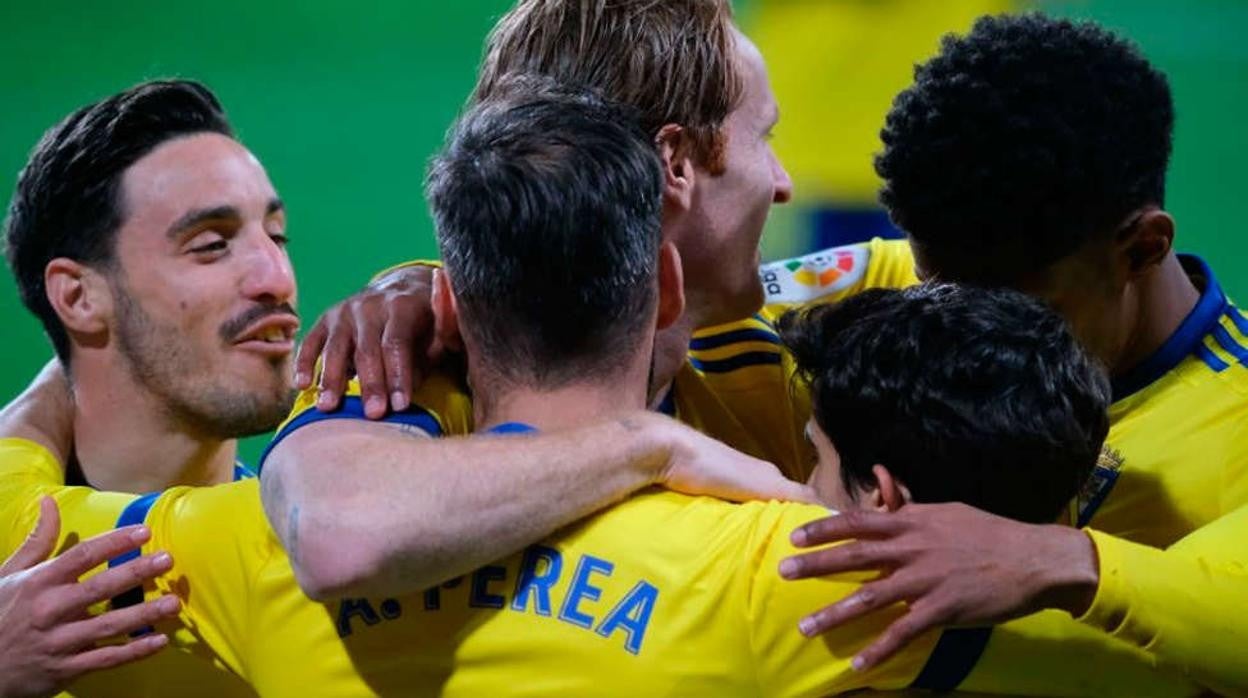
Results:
<point x="269" y="276"/>
<point x="781" y="183"/>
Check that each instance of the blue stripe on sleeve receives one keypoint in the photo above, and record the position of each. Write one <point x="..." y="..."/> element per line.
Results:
<point x="352" y="407"/>
<point x="952" y="659"/>
<point x="752" y="358"/>
<point x="722" y="340"/>
<point x="1227" y="342"/>
<point x="1211" y="359"/>
<point x="134" y="513"/>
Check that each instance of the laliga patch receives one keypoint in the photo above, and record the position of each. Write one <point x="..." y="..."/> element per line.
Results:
<point x="816" y="275"/>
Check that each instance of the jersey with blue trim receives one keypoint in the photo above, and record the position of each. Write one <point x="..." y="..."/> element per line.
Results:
<point x="27" y="470"/>
<point x="662" y="594"/>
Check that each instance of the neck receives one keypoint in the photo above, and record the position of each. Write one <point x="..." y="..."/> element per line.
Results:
<point x="125" y="440"/>
<point x="1166" y="298"/>
<point x="671" y="347"/>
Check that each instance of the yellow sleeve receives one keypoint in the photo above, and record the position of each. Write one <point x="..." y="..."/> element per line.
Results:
<point x="28" y="472"/>
<point x="833" y="274"/>
<point x="220" y="541"/>
<point x="789" y="663"/>
<point x="436" y="264"/>
<point x="1185" y="605"/>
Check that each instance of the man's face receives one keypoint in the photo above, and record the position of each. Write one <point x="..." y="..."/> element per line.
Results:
<point x="721" y="256"/>
<point x="204" y="291"/>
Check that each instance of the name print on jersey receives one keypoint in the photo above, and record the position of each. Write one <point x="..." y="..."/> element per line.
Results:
<point x="535" y="589"/>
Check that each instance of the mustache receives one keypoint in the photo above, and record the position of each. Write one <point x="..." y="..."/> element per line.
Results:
<point x="234" y="326"/>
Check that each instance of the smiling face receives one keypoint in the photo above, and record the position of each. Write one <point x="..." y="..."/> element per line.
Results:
<point x="203" y="287"/>
<point x="721" y="260"/>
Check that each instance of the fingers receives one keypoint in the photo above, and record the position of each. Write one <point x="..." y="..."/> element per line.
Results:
<point x="853" y="524"/>
<point x="396" y="355"/>
<point x="336" y="356"/>
<point x="93" y="552"/>
<point x="117" y="623"/>
<point x="309" y="352"/>
<point x="39" y="544"/>
<point x="369" y="367"/>
<point x="869" y="597"/>
<point x="114" y="655"/>
<point x="114" y="581"/>
<point x="902" y="632"/>
<point x="854" y="556"/>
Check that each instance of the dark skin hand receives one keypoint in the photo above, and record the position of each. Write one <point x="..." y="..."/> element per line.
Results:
<point x="384" y="335"/>
<point x="953" y="565"/>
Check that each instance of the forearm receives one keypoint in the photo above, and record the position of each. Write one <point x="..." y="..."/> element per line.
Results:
<point x="363" y="509"/>
<point x="1184" y="605"/>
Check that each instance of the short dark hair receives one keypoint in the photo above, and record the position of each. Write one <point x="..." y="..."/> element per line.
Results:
<point x="68" y="197"/>
<point x="964" y="394"/>
<point x="547" y="204"/>
<point x="1022" y="140"/>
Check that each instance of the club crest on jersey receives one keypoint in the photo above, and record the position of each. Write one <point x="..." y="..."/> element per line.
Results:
<point x="1098" y="485"/>
<point x="810" y="277"/>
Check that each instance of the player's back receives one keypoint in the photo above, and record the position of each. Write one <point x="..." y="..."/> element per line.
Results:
<point x="661" y="595"/>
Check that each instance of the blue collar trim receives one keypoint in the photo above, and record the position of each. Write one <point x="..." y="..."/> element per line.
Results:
<point x="1187" y="339"/>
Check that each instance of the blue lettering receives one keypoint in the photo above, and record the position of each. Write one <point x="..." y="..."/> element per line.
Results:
<point x="530" y="581"/>
<point x="582" y="589"/>
<point x="632" y="615"/>
<point x="349" y="608"/>
<point x="481" y="596"/>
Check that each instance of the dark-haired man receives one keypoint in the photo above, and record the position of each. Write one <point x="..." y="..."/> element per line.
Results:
<point x="150" y="243"/>
<point x="1032" y="153"/>
<point x="151" y="246"/>
<point x="663" y="593"/>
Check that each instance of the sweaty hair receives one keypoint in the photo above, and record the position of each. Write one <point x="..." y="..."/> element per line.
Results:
<point x="1021" y="141"/>
<point x="547" y="206"/>
<point x="68" y="201"/>
<point x="964" y="394"/>
<point x="672" y="60"/>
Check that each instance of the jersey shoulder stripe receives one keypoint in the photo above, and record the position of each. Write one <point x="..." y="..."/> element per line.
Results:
<point x="352" y="407"/>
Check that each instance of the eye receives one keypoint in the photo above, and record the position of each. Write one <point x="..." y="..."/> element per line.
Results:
<point x="207" y="243"/>
<point x="280" y="239"/>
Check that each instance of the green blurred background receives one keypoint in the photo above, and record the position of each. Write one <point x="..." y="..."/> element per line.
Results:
<point x="344" y="103"/>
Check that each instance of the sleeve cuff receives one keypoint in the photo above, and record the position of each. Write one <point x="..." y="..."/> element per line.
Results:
<point x="1108" y="611"/>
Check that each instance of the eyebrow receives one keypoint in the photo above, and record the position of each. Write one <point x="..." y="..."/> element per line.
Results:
<point x="216" y="213"/>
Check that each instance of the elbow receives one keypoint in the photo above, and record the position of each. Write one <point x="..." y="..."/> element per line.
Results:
<point x="328" y="570"/>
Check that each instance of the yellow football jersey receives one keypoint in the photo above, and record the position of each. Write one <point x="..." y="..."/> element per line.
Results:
<point x="27" y="470"/>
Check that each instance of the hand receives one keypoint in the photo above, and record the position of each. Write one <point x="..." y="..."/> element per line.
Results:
<point x="953" y="565"/>
<point x="47" y="638"/>
<point x="385" y="333"/>
<point x="43" y="413"/>
<point x="700" y="465"/>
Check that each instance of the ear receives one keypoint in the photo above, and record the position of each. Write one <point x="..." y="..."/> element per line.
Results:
<point x="1145" y="243"/>
<point x="671" y="287"/>
<point x="79" y="295"/>
<point x="889" y="494"/>
<point x="678" y="171"/>
<point x="445" y="312"/>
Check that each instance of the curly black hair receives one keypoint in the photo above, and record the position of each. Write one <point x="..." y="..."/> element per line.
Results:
<point x="965" y="394"/>
<point x="1022" y="140"/>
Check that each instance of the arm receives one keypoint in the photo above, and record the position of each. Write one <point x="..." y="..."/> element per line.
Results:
<point x="366" y="508"/>
<point x="1183" y="605"/>
<point x="959" y="566"/>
